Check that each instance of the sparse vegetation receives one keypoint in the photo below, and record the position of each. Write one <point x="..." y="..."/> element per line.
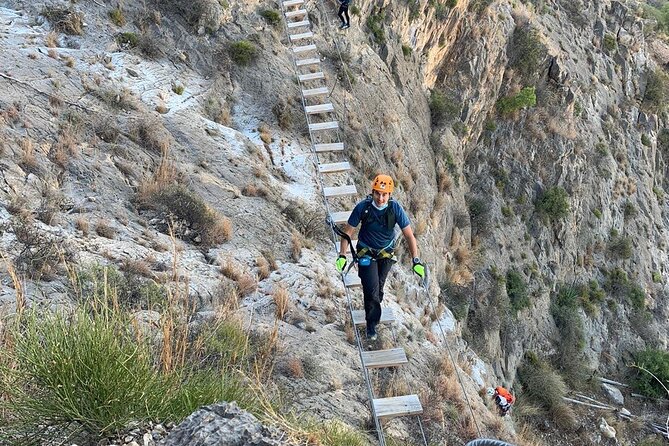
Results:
<point x="375" y="26"/>
<point x="655" y="95"/>
<point x="117" y="17"/>
<point x="406" y="50"/>
<point x="610" y="43"/>
<point x="479" y="215"/>
<point x="242" y="52"/>
<point x="442" y="107"/>
<point x="151" y="134"/>
<point x="271" y="16"/>
<point x="526" y="52"/>
<point x="619" y="285"/>
<point x="553" y="204"/>
<point x="527" y="97"/>
<point x="127" y="40"/>
<point x="516" y="289"/>
<point x="620" y="247"/>
<point x="645" y="140"/>
<point x="64" y="20"/>
<point x="657" y="363"/>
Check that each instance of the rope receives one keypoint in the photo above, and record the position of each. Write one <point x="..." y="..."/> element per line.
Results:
<point x="450" y="355"/>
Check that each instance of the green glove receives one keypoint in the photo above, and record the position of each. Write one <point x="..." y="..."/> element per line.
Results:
<point x="418" y="267"/>
<point x="340" y="263"/>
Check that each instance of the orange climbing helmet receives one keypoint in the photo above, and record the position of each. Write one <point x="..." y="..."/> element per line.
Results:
<point x="383" y="183"/>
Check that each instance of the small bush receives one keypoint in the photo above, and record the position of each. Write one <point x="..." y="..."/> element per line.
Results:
<point x="127" y="40"/>
<point x="620" y="247"/>
<point x="442" y="107"/>
<point x="64" y="20"/>
<point x="375" y="25"/>
<point x="355" y="10"/>
<point x="40" y="253"/>
<point x="150" y="46"/>
<point x="104" y="230"/>
<point x="545" y="387"/>
<point x="610" y="43"/>
<point x="479" y="215"/>
<point x="193" y="218"/>
<point x="527" y="97"/>
<point x="516" y="289"/>
<point x="151" y="134"/>
<point x="553" y="204"/>
<point x="406" y="50"/>
<point x="242" y="52"/>
<point x="645" y="140"/>
<point x="440" y="11"/>
<point x="271" y="16"/>
<point x="117" y="17"/>
<point x="526" y="52"/>
<point x="456" y="298"/>
<point x="655" y="95"/>
<point x="657" y="363"/>
<point x="178" y="88"/>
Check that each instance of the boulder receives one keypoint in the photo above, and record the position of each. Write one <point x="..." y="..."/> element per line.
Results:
<point x="224" y="424"/>
<point x="614" y="394"/>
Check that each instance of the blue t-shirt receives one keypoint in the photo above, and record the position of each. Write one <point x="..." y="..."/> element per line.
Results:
<point x="375" y="233"/>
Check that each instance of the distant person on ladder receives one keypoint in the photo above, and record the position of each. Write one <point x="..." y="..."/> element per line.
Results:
<point x="378" y="214"/>
<point x="343" y="12"/>
<point x="503" y="398"/>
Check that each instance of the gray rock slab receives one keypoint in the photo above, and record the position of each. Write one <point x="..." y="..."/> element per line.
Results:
<point x="613" y="394"/>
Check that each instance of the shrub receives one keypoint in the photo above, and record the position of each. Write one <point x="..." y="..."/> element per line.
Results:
<point x="569" y="359"/>
<point x="655" y="95"/>
<point x="192" y="217"/>
<point x="64" y="20"/>
<point x="271" y="16"/>
<point x="375" y="25"/>
<point x="150" y="46"/>
<point x="442" y="107"/>
<point x="629" y="210"/>
<point x="151" y="134"/>
<point x="663" y="141"/>
<point x="406" y="50"/>
<point x="440" y="11"/>
<point x="657" y="363"/>
<point x="516" y="289"/>
<point x="553" y="203"/>
<point x="40" y="253"/>
<point x="545" y="387"/>
<point x="620" y="247"/>
<point x="610" y="43"/>
<point x="645" y="140"/>
<point x="127" y="40"/>
<point x="526" y="52"/>
<point x="527" y="97"/>
<point x="242" y="52"/>
<point x="479" y="215"/>
<point x="456" y="298"/>
<point x="355" y="10"/>
<point x="117" y="17"/>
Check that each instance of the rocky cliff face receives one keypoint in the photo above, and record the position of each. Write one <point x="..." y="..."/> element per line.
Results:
<point x="482" y="177"/>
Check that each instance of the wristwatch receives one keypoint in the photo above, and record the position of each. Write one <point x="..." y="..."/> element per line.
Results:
<point x="416" y="260"/>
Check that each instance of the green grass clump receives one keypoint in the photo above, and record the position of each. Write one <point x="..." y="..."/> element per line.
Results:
<point x="90" y="373"/>
<point x="406" y="50"/>
<point x="271" y="16"/>
<point x="127" y="40"/>
<point x="645" y="140"/>
<point x="526" y="52"/>
<point x="117" y="17"/>
<point x="657" y="363"/>
<point x="516" y="289"/>
<point x="242" y="52"/>
<point x="553" y="204"/>
<point x="443" y="107"/>
<point x="527" y="97"/>
<point x="545" y="387"/>
<point x="610" y="43"/>
<point x="656" y="93"/>
<point x="620" y="247"/>
<point x="375" y="25"/>
<point x="619" y="285"/>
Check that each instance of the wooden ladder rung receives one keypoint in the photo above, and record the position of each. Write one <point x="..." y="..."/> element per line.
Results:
<point x="377" y="359"/>
<point x="311" y="76"/>
<point x="320" y="108"/>
<point x="296" y="13"/>
<point x="289" y="3"/>
<point x="304" y="49"/>
<point x="397" y="406"/>
<point x="334" y="167"/>
<point x="315" y="91"/>
<point x="329" y="147"/>
<point x="352" y="281"/>
<point x="301" y="36"/>
<point x="298" y="24"/>
<point x="304" y="62"/>
<point x="387" y="316"/>
<point x="339" y="218"/>
<point x="340" y="191"/>
<point x="324" y="126"/>
<point x="338" y="245"/>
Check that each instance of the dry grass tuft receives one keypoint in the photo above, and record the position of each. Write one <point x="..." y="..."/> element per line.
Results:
<point x="349" y="331"/>
<point x="265" y="134"/>
<point x="64" y="20"/>
<point x="28" y="161"/>
<point x="281" y="300"/>
<point x="65" y="147"/>
<point x="294" y="367"/>
<point x="229" y="270"/>
<point x="51" y="40"/>
<point x="104" y="230"/>
<point x="246" y="284"/>
<point x="263" y="268"/>
<point x="82" y="225"/>
<point x="151" y="134"/>
<point x="136" y="267"/>
<point x="296" y="243"/>
<point x="252" y="190"/>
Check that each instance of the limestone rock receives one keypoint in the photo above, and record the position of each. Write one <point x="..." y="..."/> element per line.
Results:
<point x="607" y="431"/>
<point x="614" y="394"/>
<point x="223" y="424"/>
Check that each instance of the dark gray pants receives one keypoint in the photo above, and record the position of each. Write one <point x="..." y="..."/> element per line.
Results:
<point x="343" y="11"/>
<point x="373" y="278"/>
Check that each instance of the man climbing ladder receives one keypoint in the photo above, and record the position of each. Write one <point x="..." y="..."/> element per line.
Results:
<point x="378" y="214"/>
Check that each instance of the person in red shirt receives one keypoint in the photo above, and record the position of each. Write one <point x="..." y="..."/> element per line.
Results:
<point x="503" y="399"/>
